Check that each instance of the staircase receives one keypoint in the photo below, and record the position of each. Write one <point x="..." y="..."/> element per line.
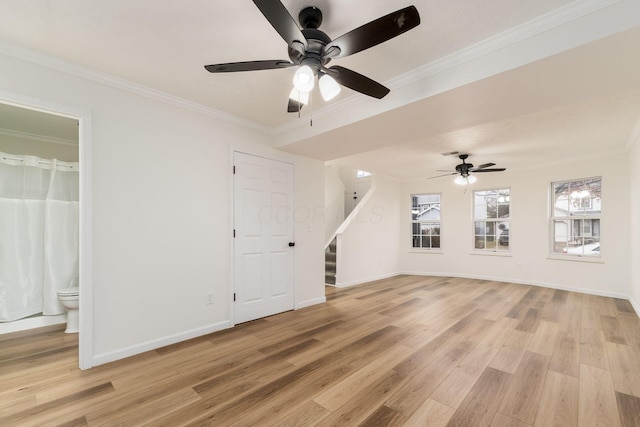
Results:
<point x="330" y="264"/>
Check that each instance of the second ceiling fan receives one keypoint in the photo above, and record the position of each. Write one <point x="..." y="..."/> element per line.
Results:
<point x="465" y="171"/>
<point x="310" y="50"/>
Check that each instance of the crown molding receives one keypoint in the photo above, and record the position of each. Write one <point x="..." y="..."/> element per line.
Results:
<point x="531" y="28"/>
<point x="509" y="37"/>
<point x="35" y="137"/>
<point x="105" y="79"/>
<point x="485" y="47"/>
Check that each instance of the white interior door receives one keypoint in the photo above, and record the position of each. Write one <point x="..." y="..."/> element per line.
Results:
<point x="263" y="227"/>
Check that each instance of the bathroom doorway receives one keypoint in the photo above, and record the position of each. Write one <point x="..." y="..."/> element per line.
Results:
<point x="41" y="131"/>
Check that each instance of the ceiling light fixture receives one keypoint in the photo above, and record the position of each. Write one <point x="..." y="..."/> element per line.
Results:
<point x="299" y="96"/>
<point x="464" y="180"/>
<point x="329" y="88"/>
<point x="304" y="79"/>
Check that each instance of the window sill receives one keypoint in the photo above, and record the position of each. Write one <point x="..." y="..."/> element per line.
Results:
<point x="576" y="258"/>
<point x="493" y="253"/>
<point x="425" y="251"/>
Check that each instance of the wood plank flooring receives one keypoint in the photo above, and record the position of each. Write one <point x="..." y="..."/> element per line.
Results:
<point x="413" y="351"/>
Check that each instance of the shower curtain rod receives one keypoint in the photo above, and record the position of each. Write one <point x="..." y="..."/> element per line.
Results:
<point x="40" y="162"/>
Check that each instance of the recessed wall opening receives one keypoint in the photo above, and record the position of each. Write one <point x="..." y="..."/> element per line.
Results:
<point x="43" y="216"/>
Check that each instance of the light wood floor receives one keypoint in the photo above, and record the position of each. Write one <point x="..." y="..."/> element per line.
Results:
<point x="403" y="351"/>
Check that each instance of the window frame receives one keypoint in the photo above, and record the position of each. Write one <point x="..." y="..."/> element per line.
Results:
<point x="584" y="219"/>
<point x="496" y="250"/>
<point x="413" y="222"/>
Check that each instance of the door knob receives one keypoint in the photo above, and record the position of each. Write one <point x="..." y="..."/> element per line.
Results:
<point x="292" y="244"/>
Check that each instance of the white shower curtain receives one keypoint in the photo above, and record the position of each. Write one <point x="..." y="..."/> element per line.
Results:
<point x="39" y="232"/>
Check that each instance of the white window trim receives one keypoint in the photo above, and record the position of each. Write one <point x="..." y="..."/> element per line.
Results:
<point x="412" y="249"/>
<point x="493" y="253"/>
<point x="433" y="251"/>
<point x="577" y="258"/>
<point x="595" y="259"/>
<point x="489" y="252"/>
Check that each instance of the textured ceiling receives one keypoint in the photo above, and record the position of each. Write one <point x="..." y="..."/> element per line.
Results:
<point x="21" y="121"/>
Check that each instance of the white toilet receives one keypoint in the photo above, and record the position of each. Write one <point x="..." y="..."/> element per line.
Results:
<point x="70" y="299"/>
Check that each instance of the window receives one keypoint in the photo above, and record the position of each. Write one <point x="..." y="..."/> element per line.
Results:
<point x="575" y="217"/>
<point x="425" y="221"/>
<point x="491" y="220"/>
<point x="362" y="174"/>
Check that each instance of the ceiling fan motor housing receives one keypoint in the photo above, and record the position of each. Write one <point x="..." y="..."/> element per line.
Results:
<point x="464" y="167"/>
<point x="310" y="19"/>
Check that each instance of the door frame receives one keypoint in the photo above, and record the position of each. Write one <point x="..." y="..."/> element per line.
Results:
<point x="232" y="256"/>
<point x="85" y="337"/>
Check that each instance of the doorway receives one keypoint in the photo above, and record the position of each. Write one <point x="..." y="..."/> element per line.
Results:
<point x="81" y="127"/>
<point x="263" y="241"/>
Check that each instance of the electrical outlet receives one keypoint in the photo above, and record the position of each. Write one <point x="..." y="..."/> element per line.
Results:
<point x="209" y="298"/>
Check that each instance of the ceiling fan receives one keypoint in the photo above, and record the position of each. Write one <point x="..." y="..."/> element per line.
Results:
<point x="465" y="171"/>
<point x="310" y="50"/>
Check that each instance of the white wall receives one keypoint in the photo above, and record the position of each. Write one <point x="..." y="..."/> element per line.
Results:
<point x="353" y="186"/>
<point x="45" y="150"/>
<point x="529" y="232"/>
<point x="309" y="232"/>
<point x="161" y="211"/>
<point x="368" y="248"/>
<point x="634" y="195"/>
<point x="333" y="201"/>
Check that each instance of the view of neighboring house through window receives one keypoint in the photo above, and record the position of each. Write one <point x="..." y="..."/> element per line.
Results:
<point x="576" y="217"/>
<point x="425" y="221"/>
<point x="491" y="220"/>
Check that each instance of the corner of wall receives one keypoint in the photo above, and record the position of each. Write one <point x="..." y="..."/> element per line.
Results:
<point x="635" y="305"/>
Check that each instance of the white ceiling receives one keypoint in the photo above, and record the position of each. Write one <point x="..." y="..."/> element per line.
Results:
<point x="22" y="122"/>
<point x="578" y="92"/>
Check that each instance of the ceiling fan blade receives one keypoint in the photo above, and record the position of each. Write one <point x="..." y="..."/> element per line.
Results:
<point x="374" y="33"/>
<point x="358" y="82"/>
<point x="490" y="170"/>
<point x="248" y="66"/>
<point x="440" y="176"/>
<point x="294" y="106"/>
<point x="486" y="165"/>
<point x="446" y="170"/>
<point x="279" y="17"/>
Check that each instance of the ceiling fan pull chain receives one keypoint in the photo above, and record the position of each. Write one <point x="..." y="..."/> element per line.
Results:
<point x="311" y="110"/>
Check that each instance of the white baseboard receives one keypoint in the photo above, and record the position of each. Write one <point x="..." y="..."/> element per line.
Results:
<point x="527" y="282"/>
<point x="31" y="323"/>
<point x="310" y="302"/>
<point x="368" y="279"/>
<point x="112" y="356"/>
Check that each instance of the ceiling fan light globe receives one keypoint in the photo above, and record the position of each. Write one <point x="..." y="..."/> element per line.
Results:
<point x="460" y="180"/>
<point x="304" y="79"/>
<point x="329" y="88"/>
<point x="471" y="179"/>
<point x="299" y="96"/>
